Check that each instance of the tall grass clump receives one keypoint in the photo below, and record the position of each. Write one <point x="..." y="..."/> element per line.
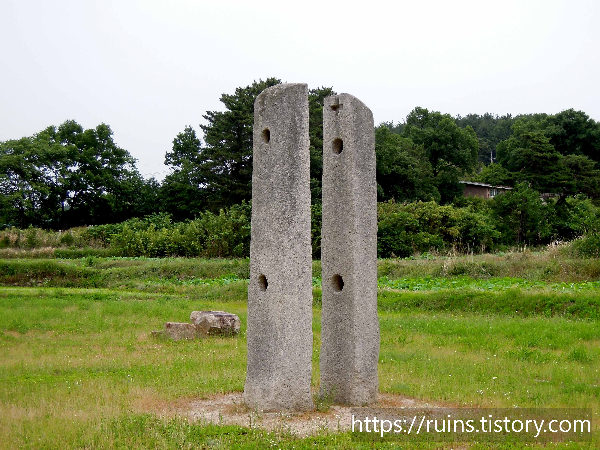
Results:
<point x="36" y="238"/>
<point x="587" y="246"/>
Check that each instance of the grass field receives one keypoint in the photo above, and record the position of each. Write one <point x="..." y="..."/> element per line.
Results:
<point x="79" y="369"/>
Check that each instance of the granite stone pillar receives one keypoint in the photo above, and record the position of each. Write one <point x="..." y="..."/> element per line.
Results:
<point x="279" y="329"/>
<point x="349" y="322"/>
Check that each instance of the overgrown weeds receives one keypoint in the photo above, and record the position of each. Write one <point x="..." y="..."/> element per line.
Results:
<point x="552" y="264"/>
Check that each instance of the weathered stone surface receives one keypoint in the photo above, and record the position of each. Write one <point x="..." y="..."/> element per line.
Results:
<point x="178" y="331"/>
<point x="280" y="292"/>
<point x="210" y="323"/>
<point x="349" y="322"/>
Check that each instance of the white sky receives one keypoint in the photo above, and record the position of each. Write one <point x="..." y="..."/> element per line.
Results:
<point x="148" y="68"/>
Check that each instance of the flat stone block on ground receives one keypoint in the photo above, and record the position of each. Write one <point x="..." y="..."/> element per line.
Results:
<point x="215" y="323"/>
<point x="179" y="331"/>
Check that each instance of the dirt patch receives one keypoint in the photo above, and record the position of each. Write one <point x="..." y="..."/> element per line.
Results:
<point x="12" y="333"/>
<point x="229" y="409"/>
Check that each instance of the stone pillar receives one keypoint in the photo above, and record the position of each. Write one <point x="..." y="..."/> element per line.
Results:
<point x="349" y="322"/>
<point x="280" y="288"/>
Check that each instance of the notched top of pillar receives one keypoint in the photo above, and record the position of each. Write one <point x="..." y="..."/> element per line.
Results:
<point x="348" y="124"/>
<point x="341" y="103"/>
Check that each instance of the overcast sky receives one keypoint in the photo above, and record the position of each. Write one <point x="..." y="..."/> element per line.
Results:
<point x="148" y="68"/>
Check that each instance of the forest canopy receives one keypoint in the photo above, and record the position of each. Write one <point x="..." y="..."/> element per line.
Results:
<point x="66" y="176"/>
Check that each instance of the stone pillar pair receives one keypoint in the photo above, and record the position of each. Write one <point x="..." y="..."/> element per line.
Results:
<point x="279" y="331"/>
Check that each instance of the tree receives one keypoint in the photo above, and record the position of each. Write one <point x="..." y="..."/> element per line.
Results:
<point x="494" y="174"/>
<point x="573" y="132"/>
<point x="530" y="156"/>
<point x="139" y="197"/>
<point x="219" y="173"/>
<point x="23" y="186"/>
<point x="403" y="171"/>
<point x="452" y="151"/>
<point x="66" y="176"/>
<point x="521" y="216"/>
<point x="180" y="195"/>
<point x="182" y="192"/>
<point x="98" y="176"/>
<point x="583" y="176"/>
<point x="532" y="159"/>
<point x="186" y="149"/>
<point x="394" y="128"/>
<point x="490" y="130"/>
<point x="225" y="163"/>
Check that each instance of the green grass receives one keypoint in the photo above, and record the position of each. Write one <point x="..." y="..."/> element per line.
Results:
<point x="499" y="361"/>
<point x="488" y="284"/>
<point x="512" y="302"/>
<point x="79" y="369"/>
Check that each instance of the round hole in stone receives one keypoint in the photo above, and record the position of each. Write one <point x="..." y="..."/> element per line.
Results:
<point x="337" y="146"/>
<point x="263" y="284"/>
<point x="337" y="282"/>
<point x="266" y="135"/>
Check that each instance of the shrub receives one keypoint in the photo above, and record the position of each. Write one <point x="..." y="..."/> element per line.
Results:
<point x="522" y="217"/>
<point x="588" y="246"/>
<point x="574" y="217"/>
<point x="405" y="229"/>
<point x="226" y="234"/>
<point x="468" y="226"/>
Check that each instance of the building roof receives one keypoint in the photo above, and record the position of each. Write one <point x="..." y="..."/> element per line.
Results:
<point x="473" y="183"/>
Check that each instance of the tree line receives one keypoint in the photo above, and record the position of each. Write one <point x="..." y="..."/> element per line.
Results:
<point x="67" y="176"/>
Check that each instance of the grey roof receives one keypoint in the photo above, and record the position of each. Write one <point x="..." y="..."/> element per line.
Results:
<point x="473" y="183"/>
